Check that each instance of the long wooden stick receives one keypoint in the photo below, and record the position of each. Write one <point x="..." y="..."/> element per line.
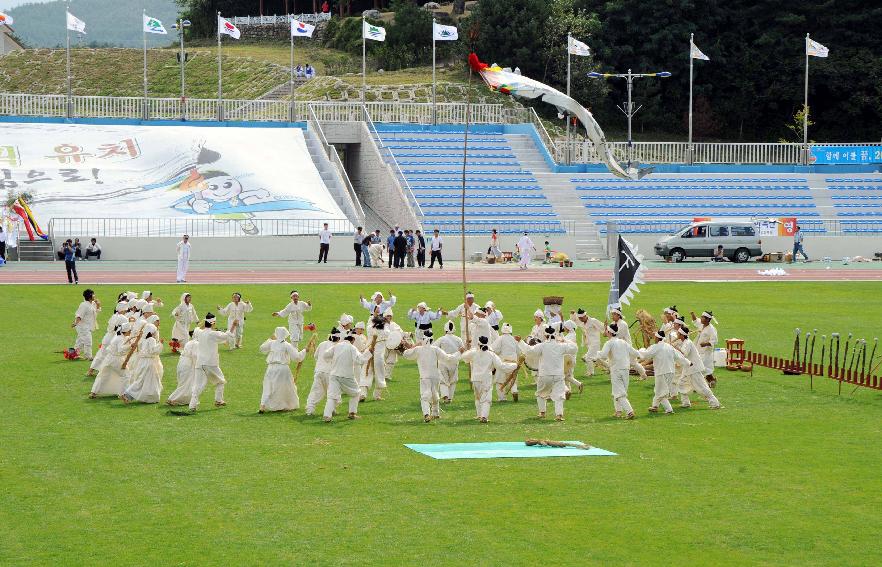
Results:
<point x="310" y="348"/>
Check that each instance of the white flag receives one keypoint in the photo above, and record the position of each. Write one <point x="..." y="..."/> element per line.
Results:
<point x="5" y="19"/>
<point x="444" y="33"/>
<point x="301" y="29"/>
<point x="75" y="24"/>
<point x="152" y="25"/>
<point x="815" y="49"/>
<point x="370" y="31"/>
<point x="576" y="47"/>
<point x="696" y="53"/>
<point x="225" y="26"/>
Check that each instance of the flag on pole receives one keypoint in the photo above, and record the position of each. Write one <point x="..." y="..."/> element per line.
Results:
<point x="152" y="25"/>
<point x="445" y="33"/>
<point x="815" y="49"/>
<point x="370" y="31"/>
<point x="301" y="29"/>
<point x="75" y="24"/>
<point x="576" y="47"/>
<point x="5" y="19"/>
<point x="225" y="26"/>
<point x="696" y="53"/>
<point x="628" y="273"/>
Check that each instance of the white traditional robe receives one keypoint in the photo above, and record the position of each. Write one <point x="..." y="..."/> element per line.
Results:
<point x="619" y="354"/>
<point x="320" y="377"/>
<point x="294" y="312"/>
<point x="450" y="344"/>
<point x="429" y="359"/>
<point x="707" y="334"/>
<point x="208" y="363"/>
<point x="460" y="312"/>
<point x="111" y="376"/>
<point x="507" y="348"/>
<point x="379" y="308"/>
<point x="115" y="320"/>
<point x="183" y="250"/>
<point x="279" y="389"/>
<point x="695" y="374"/>
<point x="550" y="383"/>
<point x="422" y="321"/>
<point x="236" y="312"/>
<point x="664" y="358"/>
<point x="483" y="363"/>
<point x="344" y="358"/>
<point x="185" y="317"/>
<point x="186" y="372"/>
<point x="526" y="248"/>
<point x="88" y="314"/>
<point x="146" y="383"/>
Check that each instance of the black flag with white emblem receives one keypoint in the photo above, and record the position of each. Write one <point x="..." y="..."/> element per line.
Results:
<point x="628" y="272"/>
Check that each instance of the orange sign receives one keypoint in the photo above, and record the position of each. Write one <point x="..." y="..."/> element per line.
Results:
<point x="786" y="226"/>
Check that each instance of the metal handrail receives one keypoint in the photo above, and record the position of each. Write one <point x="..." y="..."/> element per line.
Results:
<point x="197" y="227"/>
<point x="331" y="152"/>
<point x="389" y="157"/>
<point x="284" y="19"/>
<point x="550" y="146"/>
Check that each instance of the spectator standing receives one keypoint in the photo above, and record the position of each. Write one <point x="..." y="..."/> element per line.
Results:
<point x="494" y="245"/>
<point x="390" y="246"/>
<point x="309" y="71"/>
<point x="93" y="249"/>
<point x="359" y="237"/>
<point x="421" y="249"/>
<point x="324" y="244"/>
<point x="436" y="244"/>
<point x="183" y="251"/>
<point x="366" y="249"/>
<point x="411" y="244"/>
<point x="2" y="244"/>
<point x="70" y="262"/>
<point x="797" y="245"/>
<point x="400" y="249"/>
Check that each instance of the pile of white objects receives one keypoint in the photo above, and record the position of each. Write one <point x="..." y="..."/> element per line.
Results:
<point x="772" y="272"/>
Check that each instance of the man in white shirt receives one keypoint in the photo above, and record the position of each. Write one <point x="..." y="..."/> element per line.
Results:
<point x="707" y="343"/>
<point x="526" y="248"/>
<point x="663" y="357"/>
<point x="356" y="245"/>
<point x="93" y="249"/>
<point x="183" y="259"/>
<point x="436" y="244"/>
<point x="208" y="361"/>
<point x="324" y="244"/>
<point x="550" y="383"/>
<point x="619" y="354"/>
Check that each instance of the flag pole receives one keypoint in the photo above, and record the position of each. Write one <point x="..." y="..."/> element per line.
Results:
<point x="144" y="34"/>
<point x="434" y="111"/>
<point x="69" y="105"/>
<point x="569" y="60"/>
<point x="689" y="158"/>
<point x="805" y="107"/>
<point x="363" y="62"/>
<point x="220" y="76"/>
<point x="291" y="32"/>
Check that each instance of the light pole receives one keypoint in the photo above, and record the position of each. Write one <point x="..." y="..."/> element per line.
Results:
<point x="628" y="108"/>
<point x="181" y="25"/>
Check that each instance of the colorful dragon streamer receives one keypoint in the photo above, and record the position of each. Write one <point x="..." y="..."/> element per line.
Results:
<point x="507" y="82"/>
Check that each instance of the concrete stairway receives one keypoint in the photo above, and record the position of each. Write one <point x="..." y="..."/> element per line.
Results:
<point x="560" y="193"/>
<point x="332" y="178"/>
<point x="33" y="251"/>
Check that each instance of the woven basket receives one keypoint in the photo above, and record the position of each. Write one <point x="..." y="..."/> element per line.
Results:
<point x="552" y="300"/>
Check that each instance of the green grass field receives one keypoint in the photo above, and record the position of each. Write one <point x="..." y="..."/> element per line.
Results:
<point x="783" y="475"/>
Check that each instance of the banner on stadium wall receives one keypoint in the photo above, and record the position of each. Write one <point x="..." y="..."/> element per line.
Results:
<point x="92" y="171"/>
<point x="846" y="154"/>
<point x="781" y="226"/>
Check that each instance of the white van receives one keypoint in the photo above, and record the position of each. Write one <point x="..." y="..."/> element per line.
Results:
<point x="739" y="239"/>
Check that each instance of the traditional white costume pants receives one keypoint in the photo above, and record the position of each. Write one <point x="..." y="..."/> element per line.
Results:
<point x="619" y="380"/>
<point x="663" y="385"/>
<point x="337" y="386"/>
<point x="699" y="384"/>
<point x="83" y="343"/>
<point x="429" y="395"/>
<point x="449" y="378"/>
<point x="318" y="391"/>
<point x="550" y="387"/>
<point x="483" y="397"/>
<point x="707" y="358"/>
<point x="204" y="375"/>
<point x="377" y="374"/>
<point x="500" y="378"/>
<point x="183" y="266"/>
<point x="238" y="334"/>
<point x="525" y="260"/>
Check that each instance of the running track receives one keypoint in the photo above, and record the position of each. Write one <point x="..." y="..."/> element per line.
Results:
<point x="452" y="275"/>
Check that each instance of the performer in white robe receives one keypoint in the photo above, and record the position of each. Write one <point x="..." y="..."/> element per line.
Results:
<point x="494" y="319"/>
<point x="146" y="386"/>
<point x="624" y="333"/>
<point x="294" y="312"/>
<point x="391" y="353"/>
<point x="208" y="360"/>
<point x="422" y="318"/>
<point x="345" y="358"/>
<point x="185" y="317"/>
<point x="483" y="362"/>
<point x="695" y="373"/>
<point x="526" y="249"/>
<point x="321" y="376"/>
<point x="186" y="372"/>
<point x="235" y="312"/>
<point x="550" y="383"/>
<point x="429" y="359"/>
<point x="663" y="357"/>
<point x="464" y="311"/>
<point x="86" y="321"/>
<point x="111" y="376"/>
<point x="362" y="343"/>
<point x="183" y="249"/>
<point x="378" y="304"/>
<point x="479" y="327"/>
<point x="113" y="324"/>
<point x="707" y="343"/>
<point x="506" y="347"/>
<point x="450" y="344"/>
<point x="618" y="354"/>
<point x="591" y="330"/>
<point x="375" y="374"/>
<point x="570" y="334"/>
<point x="538" y="330"/>
<point x="148" y="299"/>
<point x="279" y="389"/>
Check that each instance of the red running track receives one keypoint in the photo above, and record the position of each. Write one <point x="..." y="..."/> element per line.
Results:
<point x="337" y="275"/>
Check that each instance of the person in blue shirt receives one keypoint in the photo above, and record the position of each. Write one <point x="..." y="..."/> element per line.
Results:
<point x="797" y="245"/>
<point x="390" y="245"/>
<point x="70" y="263"/>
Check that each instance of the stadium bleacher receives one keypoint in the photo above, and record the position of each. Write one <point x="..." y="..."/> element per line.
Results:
<point x="857" y="202"/>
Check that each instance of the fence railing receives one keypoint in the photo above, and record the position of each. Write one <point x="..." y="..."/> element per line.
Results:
<point x="389" y="158"/>
<point x="813" y="227"/>
<point x="550" y="146"/>
<point x="476" y="226"/>
<point x="678" y="152"/>
<point x="195" y="227"/>
<point x="284" y="19"/>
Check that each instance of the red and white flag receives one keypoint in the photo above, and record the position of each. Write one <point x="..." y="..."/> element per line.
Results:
<point x="225" y="26"/>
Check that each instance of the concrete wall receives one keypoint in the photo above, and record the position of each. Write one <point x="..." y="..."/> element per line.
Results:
<point x="281" y="248"/>
<point x="817" y="248"/>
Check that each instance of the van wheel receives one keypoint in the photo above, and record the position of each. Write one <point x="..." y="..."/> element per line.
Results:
<point x="678" y="254"/>
<point x="741" y="255"/>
